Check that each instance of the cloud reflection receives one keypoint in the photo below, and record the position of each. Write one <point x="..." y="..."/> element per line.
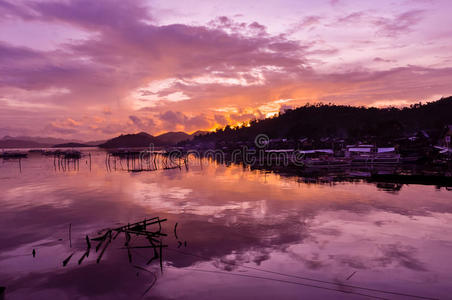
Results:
<point x="230" y="217"/>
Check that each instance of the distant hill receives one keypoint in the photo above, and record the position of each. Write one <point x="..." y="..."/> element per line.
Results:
<point x="348" y="122"/>
<point x="94" y="143"/>
<point x="141" y="139"/>
<point x="13" y="143"/>
<point x="42" y="140"/>
<point x="71" y="145"/>
<point x="144" y="139"/>
<point x="199" y="132"/>
<point x="172" y="138"/>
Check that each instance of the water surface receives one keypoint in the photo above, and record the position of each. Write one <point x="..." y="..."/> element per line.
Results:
<point x="249" y="234"/>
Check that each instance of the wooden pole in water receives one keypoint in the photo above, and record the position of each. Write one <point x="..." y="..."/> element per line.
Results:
<point x="70" y="235"/>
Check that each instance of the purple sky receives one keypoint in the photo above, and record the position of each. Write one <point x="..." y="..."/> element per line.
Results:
<point x="93" y="69"/>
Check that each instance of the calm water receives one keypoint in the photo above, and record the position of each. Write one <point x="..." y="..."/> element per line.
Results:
<point x="249" y="234"/>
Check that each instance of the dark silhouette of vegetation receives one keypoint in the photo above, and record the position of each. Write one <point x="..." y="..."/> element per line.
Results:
<point x="348" y="122"/>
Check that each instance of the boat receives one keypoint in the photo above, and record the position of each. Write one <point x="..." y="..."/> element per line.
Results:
<point x="370" y="155"/>
<point x="69" y="154"/>
<point x="326" y="162"/>
<point x="11" y="155"/>
<point x="36" y="151"/>
<point x="323" y="158"/>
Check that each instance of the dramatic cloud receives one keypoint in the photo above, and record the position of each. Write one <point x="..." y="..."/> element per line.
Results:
<point x="177" y="121"/>
<point x="124" y="66"/>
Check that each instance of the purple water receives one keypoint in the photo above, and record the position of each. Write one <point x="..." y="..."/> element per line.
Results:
<point x="249" y="234"/>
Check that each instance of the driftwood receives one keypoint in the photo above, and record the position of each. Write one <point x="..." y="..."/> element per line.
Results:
<point x="150" y="229"/>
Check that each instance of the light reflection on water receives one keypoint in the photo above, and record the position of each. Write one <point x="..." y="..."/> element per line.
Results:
<point x="231" y="218"/>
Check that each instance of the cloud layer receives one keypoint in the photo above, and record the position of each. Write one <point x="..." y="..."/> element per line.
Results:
<point x="125" y="67"/>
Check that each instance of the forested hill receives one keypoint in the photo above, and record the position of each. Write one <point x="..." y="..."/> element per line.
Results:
<point x="322" y="120"/>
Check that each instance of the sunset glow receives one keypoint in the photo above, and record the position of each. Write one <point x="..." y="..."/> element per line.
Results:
<point x="96" y="69"/>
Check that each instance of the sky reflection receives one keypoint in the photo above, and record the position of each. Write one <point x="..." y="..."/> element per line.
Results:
<point x="232" y="219"/>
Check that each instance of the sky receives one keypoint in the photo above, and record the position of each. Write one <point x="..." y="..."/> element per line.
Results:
<point x="94" y="69"/>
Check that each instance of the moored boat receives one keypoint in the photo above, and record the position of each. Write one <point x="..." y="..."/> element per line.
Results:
<point x="11" y="155"/>
<point x="323" y="158"/>
<point x="326" y="162"/>
<point x="369" y="154"/>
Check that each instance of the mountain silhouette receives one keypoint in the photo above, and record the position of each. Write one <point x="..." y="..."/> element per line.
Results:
<point x="13" y="143"/>
<point x="172" y="138"/>
<point x="143" y="139"/>
<point x="139" y="140"/>
<point x="340" y="121"/>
